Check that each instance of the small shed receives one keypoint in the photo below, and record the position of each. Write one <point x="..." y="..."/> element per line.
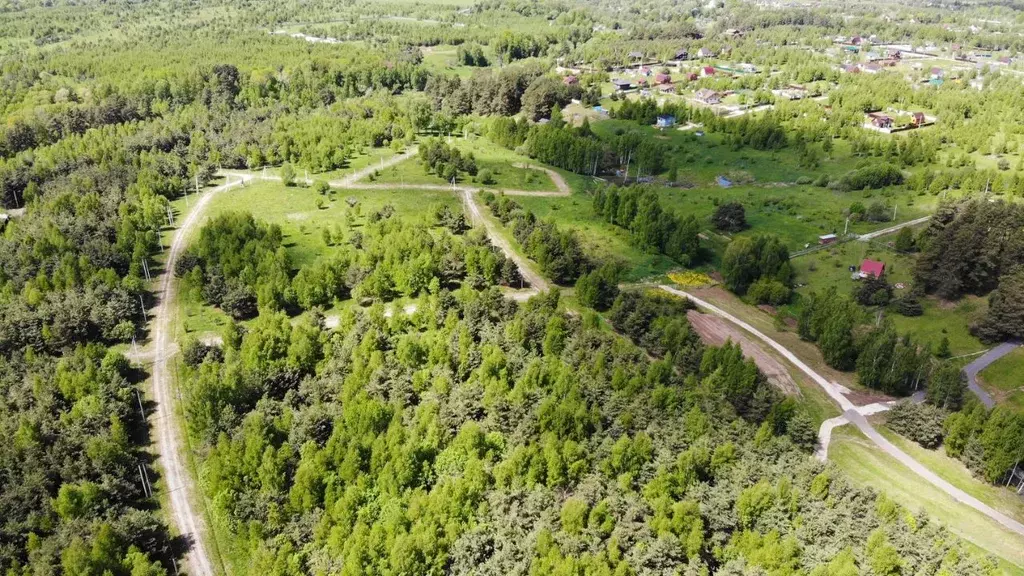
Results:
<point x="662" y="78"/>
<point x="666" y="121"/>
<point x="825" y="239"/>
<point x="919" y="118"/>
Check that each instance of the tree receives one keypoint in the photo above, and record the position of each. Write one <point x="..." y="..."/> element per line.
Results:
<point x="598" y="288"/>
<point x="287" y="174"/>
<point x="730" y="217"/>
<point x="1005" y="316"/>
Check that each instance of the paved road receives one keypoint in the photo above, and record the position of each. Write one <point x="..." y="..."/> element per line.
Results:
<point x="972" y="370"/>
<point x="170" y="445"/>
<point x="851" y="413"/>
<point x="891" y="229"/>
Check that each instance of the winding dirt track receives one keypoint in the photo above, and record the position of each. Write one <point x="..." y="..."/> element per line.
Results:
<point x="854" y="416"/>
<point x="170" y="444"/>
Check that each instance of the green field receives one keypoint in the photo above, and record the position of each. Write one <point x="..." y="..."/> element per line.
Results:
<point x="866" y="465"/>
<point x="767" y="185"/>
<point x="1004" y="379"/>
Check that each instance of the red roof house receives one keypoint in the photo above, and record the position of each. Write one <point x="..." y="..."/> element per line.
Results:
<point x="662" y="78"/>
<point x="708" y="71"/>
<point x="872" y="268"/>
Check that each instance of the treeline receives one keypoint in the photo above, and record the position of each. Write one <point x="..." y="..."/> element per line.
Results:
<point x="558" y="252"/>
<point x="578" y="149"/>
<point x="872" y="176"/>
<point x="988" y="442"/>
<point x="638" y="210"/>
<point x="883" y="359"/>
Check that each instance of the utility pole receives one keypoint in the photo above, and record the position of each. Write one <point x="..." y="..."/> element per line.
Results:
<point x="142" y="305"/>
<point x="847" y="228"/>
<point x="142" y="410"/>
<point x="145" y="269"/>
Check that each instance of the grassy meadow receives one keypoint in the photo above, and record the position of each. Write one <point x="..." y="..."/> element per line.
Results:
<point x="1004" y="379"/>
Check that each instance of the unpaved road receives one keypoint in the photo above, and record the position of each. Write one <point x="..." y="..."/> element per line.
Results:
<point x="891" y="229"/>
<point x="851" y="413"/>
<point x="537" y="282"/>
<point x="972" y="370"/>
<point x="170" y="445"/>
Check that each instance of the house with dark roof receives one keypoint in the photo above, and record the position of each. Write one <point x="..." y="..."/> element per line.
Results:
<point x="570" y="80"/>
<point x="622" y="84"/>
<point x="682" y="55"/>
<point x="872" y="268"/>
<point x="662" y="78"/>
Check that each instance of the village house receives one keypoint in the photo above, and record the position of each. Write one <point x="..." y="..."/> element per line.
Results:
<point x="636" y="55"/>
<point x="936" y="72"/>
<point x="621" y="84"/>
<point x="665" y="121"/>
<point x="918" y="118"/>
<point x="682" y="55"/>
<point x="708" y="96"/>
<point x="705" y="53"/>
<point x="570" y="80"/>
<point x="747" y="67"/>
<point x="826" y="239"/>
<point x="707" y="71"/>
<point x="871" y="268"/>
<point x="662" y="78"/>
<point x="872" y="68"/>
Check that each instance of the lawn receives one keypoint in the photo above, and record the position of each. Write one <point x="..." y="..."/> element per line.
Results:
<point x="866" y="465"/>
<point x="1004" y="378"/>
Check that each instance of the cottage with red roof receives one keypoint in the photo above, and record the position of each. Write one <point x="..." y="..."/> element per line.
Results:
<point x="872" y="268"/>
<point x="662" y="78"/>
<point x="707" y="71"/>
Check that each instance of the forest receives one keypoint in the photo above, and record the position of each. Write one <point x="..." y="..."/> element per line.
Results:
<point x="385" y="393"/>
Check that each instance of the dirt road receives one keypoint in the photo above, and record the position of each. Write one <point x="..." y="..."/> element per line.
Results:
<point x="851" y="413"/>
<point x="891" y="229"/>
<point x="170" y="445"/>
<point x="537" y="282"/>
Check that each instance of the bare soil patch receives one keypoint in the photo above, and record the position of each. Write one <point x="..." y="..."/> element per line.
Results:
<point x="716" y="331"/>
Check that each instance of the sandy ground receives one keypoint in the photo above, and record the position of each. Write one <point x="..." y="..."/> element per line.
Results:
<point x="716" y="331"/>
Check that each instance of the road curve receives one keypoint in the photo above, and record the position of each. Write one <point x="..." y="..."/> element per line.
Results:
<point x="972" y="370"/>
<point x="170" y="445"/>
<point x="851" y="413"/>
